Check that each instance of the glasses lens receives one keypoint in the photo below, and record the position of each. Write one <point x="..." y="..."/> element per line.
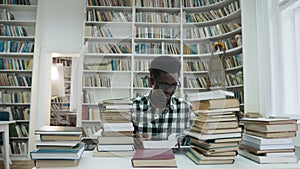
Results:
<point x="166" y="87"/>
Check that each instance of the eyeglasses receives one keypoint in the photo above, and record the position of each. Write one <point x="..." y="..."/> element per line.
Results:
<point x="166" y="87"/>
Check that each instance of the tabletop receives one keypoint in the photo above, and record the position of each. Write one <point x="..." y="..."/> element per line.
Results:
<point x="90" y="162"/>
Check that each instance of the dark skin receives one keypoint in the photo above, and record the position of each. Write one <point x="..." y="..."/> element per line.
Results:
<point x="159" y="98"/>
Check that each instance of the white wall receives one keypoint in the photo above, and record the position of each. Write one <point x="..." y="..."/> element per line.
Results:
<point x="250" y="56"/>
<point x="59" y="29"/>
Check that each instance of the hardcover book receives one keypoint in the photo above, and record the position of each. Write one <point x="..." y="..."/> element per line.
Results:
<point x="60" y="137"/>
<point x="199" y="161"/>
<point x="115" y="140"/>
<point x="55" y="163"/>
<point x="218" y="111"/>
<point x="115" y="147"/>
<point x="256" y="151"/>
<point x="271" y="134"/>
<point x="211" y="144"/>
<point x="70" y="154"/>
<point x="268" y="146"/>
<point x="216" y="125"/>
<point x="268" y="121"/>
<point x="214" y="94"/>
<point x="56" y="144"/>
<point x="216" y="131"/>
<point x="214" y="150"/>
<point x="59" y="130"/>
<point x="265" y="141"/>
<point x="211" y="136"/>
<point x="271" y="127"/>
<point x="97" y="153"/>
<point x="215" y="104"/>
<point x="153" y="158"/>
<point x="262" y="159"/>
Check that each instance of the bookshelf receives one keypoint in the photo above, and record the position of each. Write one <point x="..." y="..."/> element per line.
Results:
<point x="61" y="113"/>
<point x="17" y="39"/>
<point x="205" y="25"/>
<point x="121" y="39"/>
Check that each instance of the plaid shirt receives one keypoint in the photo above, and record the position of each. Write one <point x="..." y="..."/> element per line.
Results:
<point x="147" y="120"/>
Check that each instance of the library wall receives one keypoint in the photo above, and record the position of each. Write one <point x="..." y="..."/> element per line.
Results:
<point x="251" y="76"/>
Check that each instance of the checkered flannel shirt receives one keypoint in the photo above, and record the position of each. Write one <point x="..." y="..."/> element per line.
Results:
<point x="146" y="119"/>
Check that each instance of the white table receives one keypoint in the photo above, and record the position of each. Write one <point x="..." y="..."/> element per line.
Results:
<point x="90" y="162"/>
<point x="4" y="128"/>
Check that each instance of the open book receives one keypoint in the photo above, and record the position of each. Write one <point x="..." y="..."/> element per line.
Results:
<point x="174" y="141"/>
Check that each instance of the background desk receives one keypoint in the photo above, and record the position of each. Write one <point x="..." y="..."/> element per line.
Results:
<point x="4" y="128"/>
<point x="90" y="162"/>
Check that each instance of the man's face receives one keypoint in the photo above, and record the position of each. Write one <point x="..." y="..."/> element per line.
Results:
<point x="165" y="86"/>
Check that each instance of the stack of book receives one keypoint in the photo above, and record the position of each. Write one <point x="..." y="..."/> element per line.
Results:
<point x="117" y="135"/>
<point x="269" y="140"/>
<point x="253" y="115"/>
<point x="215" y="132"/>
<point x="158" y="158"/>
<point x="58" y="146"/>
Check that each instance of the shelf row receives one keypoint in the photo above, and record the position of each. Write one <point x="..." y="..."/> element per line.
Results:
<point x="205" y="5"/>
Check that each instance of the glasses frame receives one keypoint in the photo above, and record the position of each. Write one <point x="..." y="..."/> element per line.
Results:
<point x="166" y="87"/>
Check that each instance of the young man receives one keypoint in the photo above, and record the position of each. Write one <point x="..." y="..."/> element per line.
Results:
<point x="158" y="114"/>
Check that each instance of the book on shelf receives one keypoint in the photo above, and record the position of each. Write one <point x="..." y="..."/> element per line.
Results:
<point x="208" y="95"/>
<point x="59" y="130"/>
<point x="153" y="158"/>
<point x="215" y="104"/>
<point x="71" y="154"/>
<point x="52" y="163"/>
<point x="201" y="136"/>
<point x="264" y="159"/>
